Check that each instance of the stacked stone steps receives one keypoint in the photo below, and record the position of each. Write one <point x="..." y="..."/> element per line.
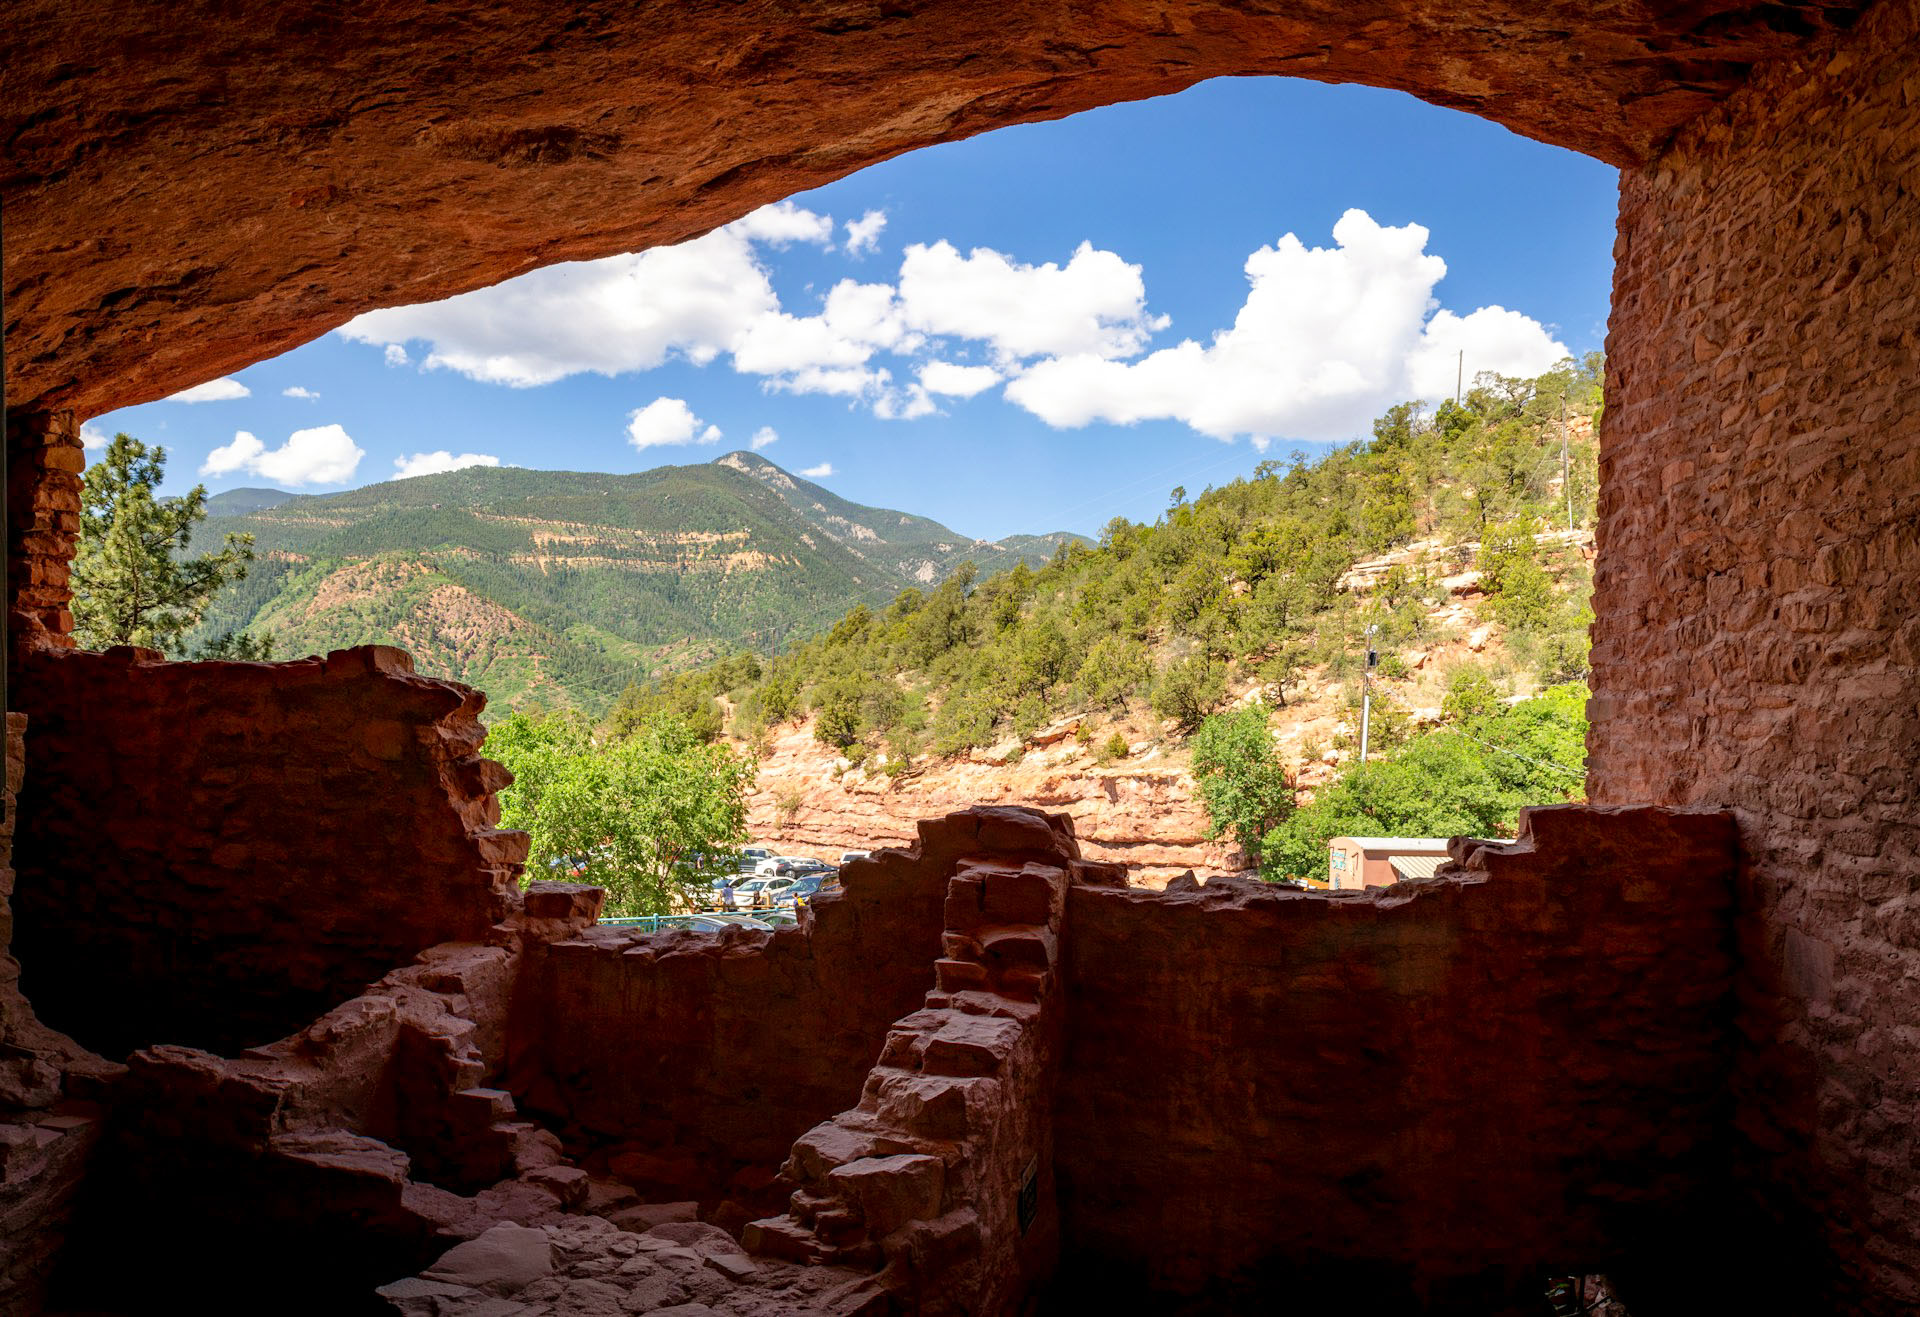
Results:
<point x="875" y="1181"/>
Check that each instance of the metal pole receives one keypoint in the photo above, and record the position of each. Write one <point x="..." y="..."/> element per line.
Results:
<point x="1566" y="469"/>
<point x="1366" y="692"/>
<point x="1459" y="376"/>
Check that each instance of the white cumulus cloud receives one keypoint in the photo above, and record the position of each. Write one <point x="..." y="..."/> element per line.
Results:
<point x="763" y="437"/>
<point x="1327" y="338"/>
<point x="93" y="439"/>
<point x="323" y="455"/>
<point x="956" y="381"/>
<point x="431" y="464"/>
<point x="820" y="472"/>
<point x="607" y="317"/>
<point x="224" y="389"/>
<point x="863" y="234"/>
<point x="297" y="391"/>
<point x="1096" y="303"/>
<point x="668" y="421"/>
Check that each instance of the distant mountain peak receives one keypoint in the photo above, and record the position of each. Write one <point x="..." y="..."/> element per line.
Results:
<point x="741" y="459"/>
<point x="241" y="502"/>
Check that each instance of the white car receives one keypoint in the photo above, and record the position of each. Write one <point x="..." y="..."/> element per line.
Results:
<point x="760" y="891"/>
<point x="848" y="857"/>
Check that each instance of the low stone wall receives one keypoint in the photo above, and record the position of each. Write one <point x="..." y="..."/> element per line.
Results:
<point x="943" y="1174"/>
<point x="214" y="854"/>
<point x="1457" y="1083"/>
<point x="49" y="1120"/>
<point x="694" y="1061"/>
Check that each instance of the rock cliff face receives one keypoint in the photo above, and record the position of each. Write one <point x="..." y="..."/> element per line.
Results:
<point x="1140" y="811"/>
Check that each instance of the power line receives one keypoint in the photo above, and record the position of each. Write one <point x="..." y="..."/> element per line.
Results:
<point x="1525" y="759"/>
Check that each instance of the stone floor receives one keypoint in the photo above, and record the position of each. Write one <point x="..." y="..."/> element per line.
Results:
<point x="586" y="1266"/>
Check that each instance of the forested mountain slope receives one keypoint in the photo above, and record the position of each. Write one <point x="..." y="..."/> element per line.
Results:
<point x="559" y="588"/>
<point x="1264" y="580"/>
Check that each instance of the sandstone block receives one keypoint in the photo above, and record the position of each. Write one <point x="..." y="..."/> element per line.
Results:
<point x="552" y="900"/>
<point x="1021" y="896"/>
<point x="892" y="1191"/>
<point x="567" y="1183"/>
<point x="643" y="1217"/>
<point x="505" y="1259"/>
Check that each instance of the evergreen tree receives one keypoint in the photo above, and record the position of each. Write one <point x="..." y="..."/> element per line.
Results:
<point x="133" y="583"/>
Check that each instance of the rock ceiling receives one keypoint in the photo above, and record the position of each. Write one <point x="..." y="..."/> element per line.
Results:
<point x="192" y="187"/>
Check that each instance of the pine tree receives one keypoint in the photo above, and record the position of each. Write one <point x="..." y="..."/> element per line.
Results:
<point x="133" y="583"/>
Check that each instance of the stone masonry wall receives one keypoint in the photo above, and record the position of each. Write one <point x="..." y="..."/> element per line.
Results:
<point x="213" y="854"/>
<point x="49" y="1119"/>
<point x="1757" y="642"/>
<point x="944" y="1169"/>
<point x="1428" y="1094"/>
<point x="694" y="1061"/>
<point x="45" y="462"/>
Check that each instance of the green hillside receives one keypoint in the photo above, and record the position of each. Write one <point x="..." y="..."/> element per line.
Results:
<point x="1252" y="583"/>
<point x="560" y="588"/>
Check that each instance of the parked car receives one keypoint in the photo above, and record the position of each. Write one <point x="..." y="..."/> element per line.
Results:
<point x="778" y="866"/>
<point x="848" y="857"/>
<point x="750" y="857"/>
<point x="808" y="887"/>
<point x="761" y="891"/>
<point x="807" y="868"/>
<point x="714" y="923"/>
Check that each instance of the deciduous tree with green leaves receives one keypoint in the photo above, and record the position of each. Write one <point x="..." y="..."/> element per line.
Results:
<point x="133" y="581"/>
<point x="1237" y="771"/>
<point x="634" y="815"/>
<point x="1469" y="779"/>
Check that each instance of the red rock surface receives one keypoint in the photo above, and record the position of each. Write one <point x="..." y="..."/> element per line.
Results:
<point x="691" y="1063"/>
<point x="1139" y="811"/>
<point x="49" y="1122"/>
<point x="212" y="853"/>
<point x="1402" y="1091"/>
<point x="1757" y="643"/>
<point x="195" y="186"/>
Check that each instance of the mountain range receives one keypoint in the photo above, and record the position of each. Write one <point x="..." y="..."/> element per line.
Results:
<point x="557" y="588"/>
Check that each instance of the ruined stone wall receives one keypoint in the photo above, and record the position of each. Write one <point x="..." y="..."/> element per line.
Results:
<point x="1757" y="642"/>
<point x="215" y="853"/>
<point x="943" y="1171"/>
<point x="1411" y="1094"/>
<point x="695" y="1060"/>
<point x="45" y="462"/>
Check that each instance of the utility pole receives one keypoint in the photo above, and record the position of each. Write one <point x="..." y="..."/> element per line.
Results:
<point x="1566" y="468"/>
<point x="1366" y="693"/>
<point x="1459" y="376"/>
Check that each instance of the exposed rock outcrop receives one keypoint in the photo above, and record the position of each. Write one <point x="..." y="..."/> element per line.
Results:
<point x="399" y="152"/>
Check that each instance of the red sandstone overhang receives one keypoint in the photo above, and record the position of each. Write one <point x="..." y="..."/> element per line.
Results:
<point x="192" y="187"/>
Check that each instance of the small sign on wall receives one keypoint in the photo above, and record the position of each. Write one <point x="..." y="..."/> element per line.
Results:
<point x="1028" y="1204"/>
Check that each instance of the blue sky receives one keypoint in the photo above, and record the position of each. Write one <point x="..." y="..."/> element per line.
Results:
<point x="1040" y="328"/>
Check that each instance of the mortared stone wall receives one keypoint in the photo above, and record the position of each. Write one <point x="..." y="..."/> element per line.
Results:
<point x="693" y="1062"/>
<point x="213" y="854"/>
<point x="1757" y="642"/>
<point x="1425" y="1094"/>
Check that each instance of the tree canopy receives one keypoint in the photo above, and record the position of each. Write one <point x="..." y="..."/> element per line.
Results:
<point x="637" y="814"/>
<point x="1467" y="779"/>
<point x="134" y="581"/>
